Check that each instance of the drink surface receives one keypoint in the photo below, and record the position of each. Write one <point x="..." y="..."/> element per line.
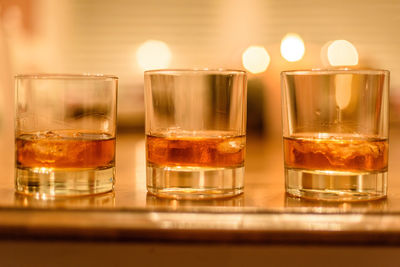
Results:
<point x="65" y="149"/>
<point x="336" y="153"/>
<point x="203" y="149"/>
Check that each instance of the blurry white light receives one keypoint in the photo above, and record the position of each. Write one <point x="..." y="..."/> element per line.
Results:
<point x="342" y="53"/>
<point x="292" y="47"/>
<point x="153" y="54"/>
<point x="255" y="59"/>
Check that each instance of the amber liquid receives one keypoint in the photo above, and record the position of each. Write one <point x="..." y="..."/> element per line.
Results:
<point x="65" y="149"/>
<point x="196" y="151"/>
<point x="349" y="154"/>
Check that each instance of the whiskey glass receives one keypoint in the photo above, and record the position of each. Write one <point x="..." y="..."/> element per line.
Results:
<point x="65" y="134"/>
<point x="195" y="132"/>
<point x="335" y="133"/>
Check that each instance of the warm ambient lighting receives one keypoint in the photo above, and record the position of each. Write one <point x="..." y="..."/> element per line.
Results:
<point x="342" y="53"/>
<point x="292" y="47"/>
<point x="153" y="55"/>
<point x="255" y="59"/>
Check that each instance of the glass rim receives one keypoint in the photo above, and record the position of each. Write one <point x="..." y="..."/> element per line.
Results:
<point x="195" y="71"/>
<point x="62" y="76"/>
<point x="336" y="71"/>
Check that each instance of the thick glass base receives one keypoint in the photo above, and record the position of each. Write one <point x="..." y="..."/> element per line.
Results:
<point x="52" y="182"/>
<point x="194" y="182"/>
<point x="336" y="185"/>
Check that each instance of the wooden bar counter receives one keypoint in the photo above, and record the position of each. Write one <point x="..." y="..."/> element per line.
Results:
<point x="262" y="216"/>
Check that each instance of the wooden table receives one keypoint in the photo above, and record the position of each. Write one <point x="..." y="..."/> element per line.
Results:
<point x="263" y="215"/>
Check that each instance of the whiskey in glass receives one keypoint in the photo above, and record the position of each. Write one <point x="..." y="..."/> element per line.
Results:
<point x="335" y="134"/>
<point x="65" y="134"/>
<point x="195" y="133"/>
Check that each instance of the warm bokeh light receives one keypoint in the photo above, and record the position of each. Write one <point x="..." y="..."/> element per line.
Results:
<point x="153" y="54"/>
<point x="292" y="47"/>
<point x="256" y="59"/>
<point x="342" y="53"/>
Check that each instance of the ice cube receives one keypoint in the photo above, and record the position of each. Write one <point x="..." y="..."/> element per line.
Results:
<point x="230" y="146"/>
<point x="51" y="134"/>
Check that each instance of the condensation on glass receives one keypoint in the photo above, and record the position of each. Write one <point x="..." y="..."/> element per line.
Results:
<point x="195" y="132"/>
<point x="335" y="133"/>
<point x="65" y="134"/>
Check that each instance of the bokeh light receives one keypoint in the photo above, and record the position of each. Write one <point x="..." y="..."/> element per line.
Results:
<point x="153" y="54"/>
<point x="292" y="47"/>
<point x="256" y="59"/>
<point x="342" y="53"/>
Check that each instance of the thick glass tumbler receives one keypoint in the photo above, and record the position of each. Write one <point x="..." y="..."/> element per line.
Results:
<point x="195" y="132"/>
<point x="335" y="133"/>
<point x="65" y="134"/>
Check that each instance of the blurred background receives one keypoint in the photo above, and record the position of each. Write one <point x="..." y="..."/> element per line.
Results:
<point x="264" y="37"/>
